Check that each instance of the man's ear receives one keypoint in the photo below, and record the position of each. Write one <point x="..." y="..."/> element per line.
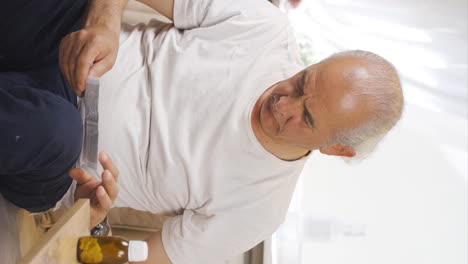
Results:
<point x="338" y="150"/>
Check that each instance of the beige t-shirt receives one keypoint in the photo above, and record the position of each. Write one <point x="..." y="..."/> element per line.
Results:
<point x="174" y="114"/>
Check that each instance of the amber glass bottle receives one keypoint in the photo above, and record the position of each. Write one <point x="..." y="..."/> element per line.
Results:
<point x="110" y="250"/>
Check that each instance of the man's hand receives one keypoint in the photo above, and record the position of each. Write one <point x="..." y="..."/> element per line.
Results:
<point x="90" y="51"/>
<point x="102" y="194"/>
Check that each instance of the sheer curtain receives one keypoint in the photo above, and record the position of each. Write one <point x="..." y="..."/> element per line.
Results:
<point x="427" y="42"/>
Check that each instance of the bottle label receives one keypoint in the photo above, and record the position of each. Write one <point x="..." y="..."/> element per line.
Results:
<point x="90" y="251"/>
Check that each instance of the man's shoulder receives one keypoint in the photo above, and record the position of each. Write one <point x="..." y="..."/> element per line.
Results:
<point x="265" y="15"/>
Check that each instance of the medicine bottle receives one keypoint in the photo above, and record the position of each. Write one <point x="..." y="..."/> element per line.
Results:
<point x="110" y="250"/>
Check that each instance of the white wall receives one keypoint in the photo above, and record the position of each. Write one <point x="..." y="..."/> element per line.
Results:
<point x="412" y="193"/>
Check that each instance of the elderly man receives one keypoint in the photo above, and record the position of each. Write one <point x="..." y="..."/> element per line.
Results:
<point x="210" y="119"/>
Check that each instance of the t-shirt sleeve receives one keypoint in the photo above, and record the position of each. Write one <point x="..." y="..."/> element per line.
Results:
<point x="189" y="14"/>
<point x="232" y="222"/>
<point x="201" y="239"/>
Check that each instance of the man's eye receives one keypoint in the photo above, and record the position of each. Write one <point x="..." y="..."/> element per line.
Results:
<point x="300" y="84"/>
<point x="306" y="122"/>
<point x="298" y="89"/>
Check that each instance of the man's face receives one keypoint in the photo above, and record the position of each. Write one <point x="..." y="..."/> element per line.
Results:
<point x="307" y="109"/>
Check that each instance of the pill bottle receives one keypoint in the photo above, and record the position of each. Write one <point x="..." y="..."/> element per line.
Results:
<point x="110" y="250"/>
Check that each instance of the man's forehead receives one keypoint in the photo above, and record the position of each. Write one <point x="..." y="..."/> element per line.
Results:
<point x="340" y="71"/>
<point x="331" y="85"/>
<point x="355" y="73"/>
<point x="350" y="68"/>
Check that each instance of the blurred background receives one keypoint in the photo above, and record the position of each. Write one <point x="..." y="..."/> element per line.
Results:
<point x="407" y="203"/>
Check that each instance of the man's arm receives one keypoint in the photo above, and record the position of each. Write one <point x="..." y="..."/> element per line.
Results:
<point x="164" y="7"/>
<point x="156" y="252"/>
<point x="93" y="49"/>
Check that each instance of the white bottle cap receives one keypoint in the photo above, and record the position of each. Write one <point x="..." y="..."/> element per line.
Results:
<point x="137" y="250"/>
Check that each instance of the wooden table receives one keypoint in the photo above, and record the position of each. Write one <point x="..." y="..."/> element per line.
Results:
<point x="58" y="244"/>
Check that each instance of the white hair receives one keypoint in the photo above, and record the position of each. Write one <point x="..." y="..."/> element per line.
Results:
<point x="382" y="89"/>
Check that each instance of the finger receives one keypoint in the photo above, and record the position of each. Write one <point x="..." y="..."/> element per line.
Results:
<point x="107" y="164"/>
<point x="84" y="63"/>
<point x="100" y="67"/>
<point x="68" y="59"/>
<point x="80" y="176"/>
<point x="110" y="185"/>
<point x="75" y="60"/>
<point x="104" y="200"/>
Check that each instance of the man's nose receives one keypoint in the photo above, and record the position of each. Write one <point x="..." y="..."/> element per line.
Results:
<point x="289" y="106"/>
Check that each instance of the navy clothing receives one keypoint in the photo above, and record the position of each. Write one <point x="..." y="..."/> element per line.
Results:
<point x="41" y="129"/>
<point x="30" y="31"/>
